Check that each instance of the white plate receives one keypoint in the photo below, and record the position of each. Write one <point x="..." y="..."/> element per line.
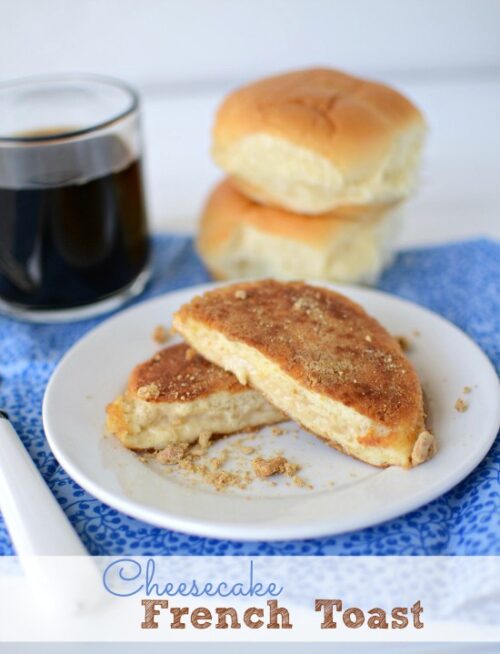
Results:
<point x="346" y="494"/>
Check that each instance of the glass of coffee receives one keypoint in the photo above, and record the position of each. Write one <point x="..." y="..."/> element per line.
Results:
<point x="73" y="225"/>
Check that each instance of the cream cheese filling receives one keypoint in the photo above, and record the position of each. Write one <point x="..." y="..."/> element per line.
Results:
<point x="146" y="425"/>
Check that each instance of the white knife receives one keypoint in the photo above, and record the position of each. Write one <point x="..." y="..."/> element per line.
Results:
<point x="36" y="523"/>
<point x="40" y="530"/>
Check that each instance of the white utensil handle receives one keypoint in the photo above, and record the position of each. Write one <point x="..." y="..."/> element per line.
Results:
<point x="35" y="521"/>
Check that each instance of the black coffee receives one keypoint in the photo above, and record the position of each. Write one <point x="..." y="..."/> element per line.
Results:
<point x="72" y="243"/>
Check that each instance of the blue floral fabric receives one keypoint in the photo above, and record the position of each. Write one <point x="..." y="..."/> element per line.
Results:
<point x="459" y="281"/>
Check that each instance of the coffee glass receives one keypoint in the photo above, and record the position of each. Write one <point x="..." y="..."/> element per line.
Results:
<point x="73" y="222"/>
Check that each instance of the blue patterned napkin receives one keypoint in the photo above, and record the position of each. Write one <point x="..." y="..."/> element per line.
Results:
<point x="460" y="281"/>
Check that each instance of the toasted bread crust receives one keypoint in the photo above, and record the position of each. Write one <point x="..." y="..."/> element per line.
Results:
<point x="321" y="339"/>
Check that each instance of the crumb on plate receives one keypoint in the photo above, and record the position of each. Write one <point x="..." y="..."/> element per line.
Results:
<point x="172" y="453"/>
<point x="300" y="482"/>
<point x="404" y="343"/>
<point x="278" y="465"/>
<point x="160" y="334"/>
<point x="219" y="461"/>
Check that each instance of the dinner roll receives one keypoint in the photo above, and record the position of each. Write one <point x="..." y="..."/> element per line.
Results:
<point x="313" y="140"/>
<point x="241" y="239"/>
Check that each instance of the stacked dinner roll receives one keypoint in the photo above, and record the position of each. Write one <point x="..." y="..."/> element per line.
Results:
<point x="318" y="164"/>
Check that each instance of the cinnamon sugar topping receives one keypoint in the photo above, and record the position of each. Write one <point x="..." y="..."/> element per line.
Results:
<point x="173" y="375"/>
<point x="321" y="339"/>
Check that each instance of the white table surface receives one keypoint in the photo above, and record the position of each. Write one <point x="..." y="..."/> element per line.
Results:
<point x="459" y="194"/>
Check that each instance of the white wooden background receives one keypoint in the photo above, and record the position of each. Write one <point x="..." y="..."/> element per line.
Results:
<point x="185" y="54"/>
<point x="185" y="42"/>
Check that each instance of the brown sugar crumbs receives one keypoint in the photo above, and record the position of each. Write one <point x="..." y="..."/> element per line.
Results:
<point x="278" y="465"/>
<point x="461" y="406"/>
<point x="186" y="458"/>
<point x="194" y="460"/>
<point x="224" y="478"/>
<point x="218" y="462"/>
<point x="172" y="453"/>
<point x="160" y="334"/>
<point x="217" y="478"/>
<point x="301" y="483"/>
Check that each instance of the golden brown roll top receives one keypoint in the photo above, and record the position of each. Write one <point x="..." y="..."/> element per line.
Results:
<point x="312" y="140"/>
